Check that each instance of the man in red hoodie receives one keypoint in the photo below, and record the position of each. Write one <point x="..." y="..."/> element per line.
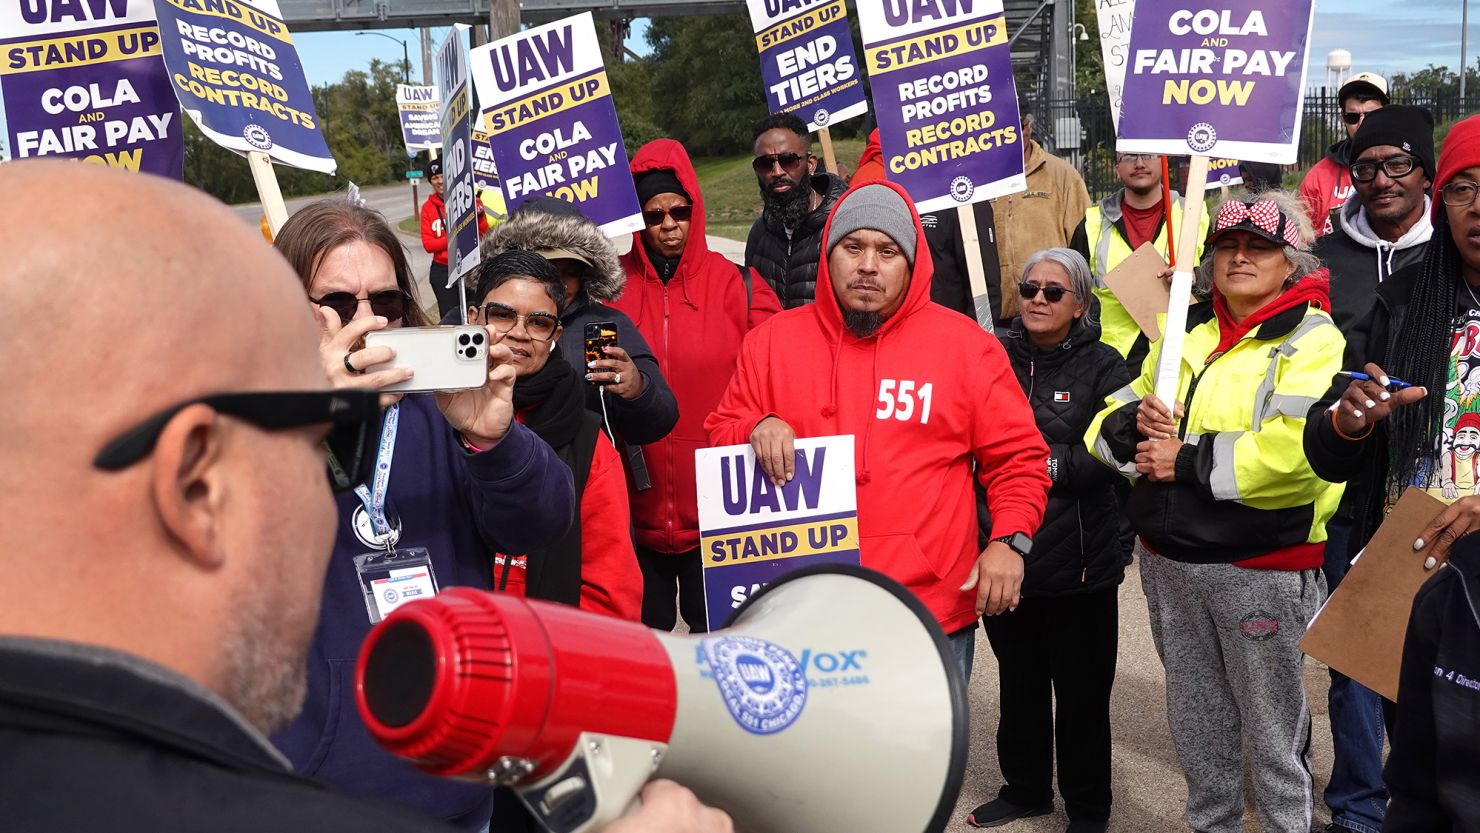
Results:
<point x="694" y="307"/>
<point x="930" y="399"/>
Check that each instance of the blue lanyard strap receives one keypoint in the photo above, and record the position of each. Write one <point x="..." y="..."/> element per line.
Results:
<point x="374" y="497"/>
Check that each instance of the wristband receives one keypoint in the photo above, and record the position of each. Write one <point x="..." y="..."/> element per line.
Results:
<point x="1337" y="428"/>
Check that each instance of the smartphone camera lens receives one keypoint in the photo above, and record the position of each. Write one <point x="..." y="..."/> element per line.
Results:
<point x="477" y="338"/>
<point x="471" y="352"/>
<point x="463" y="339"/>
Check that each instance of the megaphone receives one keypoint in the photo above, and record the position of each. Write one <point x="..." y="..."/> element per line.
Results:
<point x="831" y="702"/>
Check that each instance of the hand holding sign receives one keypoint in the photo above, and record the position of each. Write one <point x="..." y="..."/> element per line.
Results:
<point x="774" y="444"/>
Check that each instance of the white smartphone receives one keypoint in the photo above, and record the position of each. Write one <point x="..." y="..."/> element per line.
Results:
<point x="443" y="358"/>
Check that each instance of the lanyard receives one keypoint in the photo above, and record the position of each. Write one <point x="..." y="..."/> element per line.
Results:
<point x="374" y="497"/>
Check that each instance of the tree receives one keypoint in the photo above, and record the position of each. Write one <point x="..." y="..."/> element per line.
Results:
<point x="706" y="81"/>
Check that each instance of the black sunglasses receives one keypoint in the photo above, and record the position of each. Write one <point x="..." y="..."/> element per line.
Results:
<point x="1396" y="167"/>
<point x="1353" y="118"/>
<point x="1051" y="294"/>
<point x="679" y="213"/>
<point x="787" y="161"/>
<point x="351" y="445"/>
<point x="390" y="303"/>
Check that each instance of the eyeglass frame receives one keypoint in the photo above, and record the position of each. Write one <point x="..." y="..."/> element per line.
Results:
<point x="519" y="318"/>
<point x="1444" y="194"/>
<point x="1043" y="288"/>
<point x="767" y="162"/>
<point x="1414" y="164"/>
<point x="1146" y="158"/>
<point x="665" y="213"/>
<point x="356" y="412"/>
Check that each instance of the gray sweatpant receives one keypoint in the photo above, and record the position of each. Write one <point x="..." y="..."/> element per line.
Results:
<point x="1229" y="641"/>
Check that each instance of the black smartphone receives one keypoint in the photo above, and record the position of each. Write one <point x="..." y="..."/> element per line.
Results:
<point x="599" y="334"/>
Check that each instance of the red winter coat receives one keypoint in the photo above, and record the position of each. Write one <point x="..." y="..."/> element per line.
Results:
<point x="1326" y="187"/>
<point x="434" y="227"/>
<point x="927" y="398"/>
<point x="694" y="324"/>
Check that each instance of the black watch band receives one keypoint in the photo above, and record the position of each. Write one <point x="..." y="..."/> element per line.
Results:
<point x="1020" y="543"/>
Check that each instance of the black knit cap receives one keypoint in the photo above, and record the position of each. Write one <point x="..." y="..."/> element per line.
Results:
<point x="662" y="181"/>
<point x="1402" y="126"/>
<point x="432" y="168"/>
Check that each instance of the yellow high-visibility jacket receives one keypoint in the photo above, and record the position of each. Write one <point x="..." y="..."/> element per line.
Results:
<point x="1105" y="236"/>
<point x="1243" y="485"/>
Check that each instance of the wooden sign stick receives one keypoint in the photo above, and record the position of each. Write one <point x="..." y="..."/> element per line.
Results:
<point x="1169" y="365"/>
<point x="829" y="158"/>
<point x="268" y="191"/>
<point x="976" y="273"/>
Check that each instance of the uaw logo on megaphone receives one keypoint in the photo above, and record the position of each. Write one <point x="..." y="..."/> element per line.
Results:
<point x="762" y="684"/>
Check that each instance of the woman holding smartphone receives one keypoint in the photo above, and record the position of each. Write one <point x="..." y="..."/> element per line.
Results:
<point x="456" y="478"/>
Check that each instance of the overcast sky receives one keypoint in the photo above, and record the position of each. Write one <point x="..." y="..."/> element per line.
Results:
<point x="1384" y="36"/>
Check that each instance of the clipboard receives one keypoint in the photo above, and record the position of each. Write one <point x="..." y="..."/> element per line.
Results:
<point x="1134" y="284"/>
<point x="1360" y="629"/>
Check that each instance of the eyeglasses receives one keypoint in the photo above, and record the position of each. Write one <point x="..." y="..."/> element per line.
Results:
<point x="787" y="161"/>
<point x="1353" y="118"/>
<point x="1396" y="167"/>
<point x="679" y="213"/>
<point x="1459" y="193"/>
<point x="1133" y="158"/>
<point x="541" y="326"/>
<point x="350" y="447"/>
<point x="390" y="303"/>
<point x="1051" y="294"/>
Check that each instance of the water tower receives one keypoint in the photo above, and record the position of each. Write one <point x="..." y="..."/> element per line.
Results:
<point x="1338" y="66"/>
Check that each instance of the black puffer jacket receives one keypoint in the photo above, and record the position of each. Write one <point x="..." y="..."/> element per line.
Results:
<point x="1077" y="548"/>
<point x="789" y="264"/>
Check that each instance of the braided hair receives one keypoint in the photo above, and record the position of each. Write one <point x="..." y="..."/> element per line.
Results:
<point x="1421" y="357"/>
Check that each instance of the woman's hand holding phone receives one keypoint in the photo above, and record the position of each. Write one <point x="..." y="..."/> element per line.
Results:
<point x="484" y="415"/>
<point x="344" y="359"/>
<point x="617" y="372"/>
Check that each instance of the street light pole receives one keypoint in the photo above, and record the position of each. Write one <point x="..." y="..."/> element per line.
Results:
<point x="405" y="54"/>
<point x="1464" y="32"/>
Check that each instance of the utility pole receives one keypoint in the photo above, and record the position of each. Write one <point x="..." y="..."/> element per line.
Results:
<point x="1464" y="33"/>
<point x="426" y="70"/>
<point x="503" y="19"/>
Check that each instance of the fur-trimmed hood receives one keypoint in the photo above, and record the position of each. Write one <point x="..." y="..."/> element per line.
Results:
<point x="533" y="230"/>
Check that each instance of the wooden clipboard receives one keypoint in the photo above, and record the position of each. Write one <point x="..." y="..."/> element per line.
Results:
<point x="1360" y="629"/>
<point x="1135" y="284"/>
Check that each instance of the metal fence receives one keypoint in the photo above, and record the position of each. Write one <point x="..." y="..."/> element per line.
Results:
<point x="1082" y="131"/>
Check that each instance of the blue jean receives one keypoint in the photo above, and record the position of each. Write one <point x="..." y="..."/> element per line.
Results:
<point x="1356" y="795"/>
<point x="964" y="644"/>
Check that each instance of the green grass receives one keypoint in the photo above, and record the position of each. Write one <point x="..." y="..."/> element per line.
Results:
<point x="410" y="225"/>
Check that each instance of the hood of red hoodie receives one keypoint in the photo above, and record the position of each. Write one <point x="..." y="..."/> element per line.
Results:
<point x="871" y="163"/>
<point x="921" y="270"/>
<point x="1314" y="288"/>
<point x="669" y="155"/>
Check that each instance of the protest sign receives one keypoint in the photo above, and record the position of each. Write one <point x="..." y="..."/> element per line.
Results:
<point x="1114" y="19"/>
<point x="807" y="61"/>
<point x="236" y="74"/>
<point x="456" y="120"/>
<point x="548" y="110"/>
<point x="85" y="81"/>
<point x="752" y="532"/>
<point x="1224" y="78"/>
<point x="419" y="108"/>
<point x="1223" y="173"/>
<point x="945" y="100"/>
<point x="485" y="179"/>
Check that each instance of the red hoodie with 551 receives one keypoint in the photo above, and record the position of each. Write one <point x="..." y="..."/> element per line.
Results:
<point x="695" y="324"/>
<point x="930" y="399"/>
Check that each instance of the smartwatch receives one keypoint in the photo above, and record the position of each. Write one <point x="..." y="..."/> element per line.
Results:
<point x="1020" y="543"/>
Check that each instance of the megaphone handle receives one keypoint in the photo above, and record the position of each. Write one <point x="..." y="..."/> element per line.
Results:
<point x="605" y="775"/>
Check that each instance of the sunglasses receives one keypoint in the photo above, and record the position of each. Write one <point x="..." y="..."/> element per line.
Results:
<point x="541" y="326"/>
<point x="1353" y="118"/>
<point x="679" y="213"/>
<point x="389" y="303"/>
<point x="1051" y="294"/>
<point x="787" y="161"/>
<point x="1396" y="167"/>
<point x="350" y="447"/>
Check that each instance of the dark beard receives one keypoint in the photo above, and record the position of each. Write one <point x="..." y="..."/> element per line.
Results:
<point x="788" y="209"/>
<point x="863" y="324"/>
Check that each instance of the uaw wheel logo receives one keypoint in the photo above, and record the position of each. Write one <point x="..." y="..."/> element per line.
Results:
<point x="365" y="530"/>
<point x="391" y="595"/>
<point x="762" y="684"/>
<point x="962" y="188"/>
<point x="1202" y="137"/>
<point x="257" y="136"/>
<point x="820" y="117"/>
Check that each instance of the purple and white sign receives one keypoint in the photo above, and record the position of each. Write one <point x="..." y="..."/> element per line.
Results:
<point x="1222" y="78"/>
<point x="457" y="156"/>
<point x="548" y="110"/>
<point x="1223" y="173"/>
<point x="807" y="60"/>
<point x="85" y="81"/>
<point x="237" y="75"/>
<point x="752" y="532"/>
<point x="419" y="108"/>
<point x="945" y="99"/>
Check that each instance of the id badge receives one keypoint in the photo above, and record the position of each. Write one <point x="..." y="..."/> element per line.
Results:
<point x="391" y="579"/>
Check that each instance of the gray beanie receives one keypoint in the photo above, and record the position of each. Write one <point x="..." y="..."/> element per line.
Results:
<point x="878" y="207"/>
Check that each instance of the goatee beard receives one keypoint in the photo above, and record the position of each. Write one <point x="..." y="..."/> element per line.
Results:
<point x="862" y="324"/>
<point x="789" y="208"/>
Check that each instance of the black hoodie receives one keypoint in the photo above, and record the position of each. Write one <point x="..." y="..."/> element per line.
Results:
<point x="1431" y="774"/>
